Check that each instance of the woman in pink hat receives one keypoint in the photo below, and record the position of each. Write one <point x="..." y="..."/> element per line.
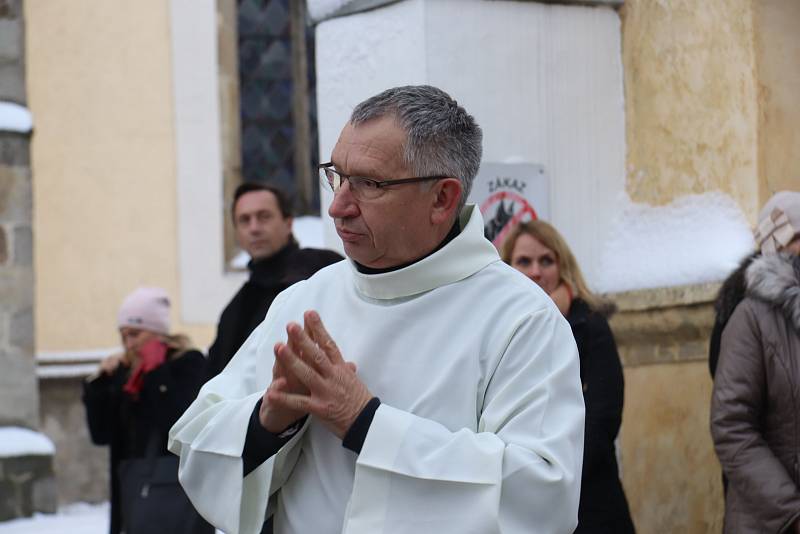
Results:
<point x="131" y="402"/>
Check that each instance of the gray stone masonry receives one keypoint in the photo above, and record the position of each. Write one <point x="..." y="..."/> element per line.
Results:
<point x="81" y="468"/>
<point x="12" y="53"/>
<point x="26" y="486"/>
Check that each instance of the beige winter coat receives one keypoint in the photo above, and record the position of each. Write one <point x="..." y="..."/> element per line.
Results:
<point x="755" y="407"/>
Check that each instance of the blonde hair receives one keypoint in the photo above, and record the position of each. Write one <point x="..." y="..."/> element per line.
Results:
<point x="568" y="269"/>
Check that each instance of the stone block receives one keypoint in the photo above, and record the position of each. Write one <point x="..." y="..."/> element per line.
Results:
<point x="12" y="82"/>
<point x="14" y="147"/>
<point x="3" y="246"/>
<point x="21" y="330"/>
<point x="10" y="9"/>
<point x="23" y="246"/>
<point x="81" y="467"/>
<point x="16" y="288"/>
<point x="19" y="402"/>
<point x="10" y="39"/>
<point x="16" y="205"/>
<point x="27" y="486"/>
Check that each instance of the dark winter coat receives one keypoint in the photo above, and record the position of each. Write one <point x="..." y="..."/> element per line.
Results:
<point x="755" y="407"/>
<point x="249" y="306"/>
<point x="603" y="507"/>
<point x="730" y="295"/>
<point x="124" y="423"/>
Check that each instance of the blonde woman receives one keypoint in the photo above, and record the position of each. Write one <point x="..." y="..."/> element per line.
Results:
<point x="131" y="402"/>
<point x="537" y="250"/>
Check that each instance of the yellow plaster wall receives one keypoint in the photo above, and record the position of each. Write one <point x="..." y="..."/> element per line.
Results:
<point x="669" y="469"/>
<point x="103" y="160"/>
<point x="691" y="100"/>
<point x="778" y="59"/>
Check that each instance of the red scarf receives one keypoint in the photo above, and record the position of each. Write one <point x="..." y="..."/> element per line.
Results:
<point x="151" y="355"/>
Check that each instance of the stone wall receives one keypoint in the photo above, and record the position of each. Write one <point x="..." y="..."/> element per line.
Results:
<point x="669" y="469"/>
<point x="691" y="100"/>
<point x="18" y="392"/>
<point x="81" y="468"/>
<point x="26" y="486"/>
<point x="26" y="476"/>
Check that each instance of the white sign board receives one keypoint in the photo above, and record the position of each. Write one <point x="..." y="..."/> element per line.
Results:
<point x="508" y="194"/>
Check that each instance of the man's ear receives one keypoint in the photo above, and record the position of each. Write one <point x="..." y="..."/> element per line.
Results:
<point x="448" y="195"/>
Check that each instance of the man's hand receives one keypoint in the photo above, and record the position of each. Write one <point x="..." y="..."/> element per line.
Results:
<point x="334" y="393"/>
<point x="276" y="418"/>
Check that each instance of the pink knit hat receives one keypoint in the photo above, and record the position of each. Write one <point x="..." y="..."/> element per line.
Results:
<point x="778" y="221"/>
<point x="146" y="308"/>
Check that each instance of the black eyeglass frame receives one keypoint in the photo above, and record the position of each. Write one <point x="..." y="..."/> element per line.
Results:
<point x="378" y="183"/>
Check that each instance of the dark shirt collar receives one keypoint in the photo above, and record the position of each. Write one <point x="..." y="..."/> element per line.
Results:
<point x="264" y="270"/>
<point x="452" y="234"/>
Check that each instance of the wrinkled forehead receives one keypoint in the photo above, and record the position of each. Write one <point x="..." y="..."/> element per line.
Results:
<point x="372" y="148"/>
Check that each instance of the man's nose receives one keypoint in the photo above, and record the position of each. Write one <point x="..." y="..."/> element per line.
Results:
<point x="344" y="205"/>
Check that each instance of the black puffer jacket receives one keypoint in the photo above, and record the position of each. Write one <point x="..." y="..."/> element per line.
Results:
<point x="603" y="506"/>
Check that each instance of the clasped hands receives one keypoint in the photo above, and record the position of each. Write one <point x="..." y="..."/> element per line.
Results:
<point x="310" y="376"/>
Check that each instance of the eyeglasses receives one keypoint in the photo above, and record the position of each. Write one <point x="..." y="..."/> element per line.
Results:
<point x="363" y="188"/>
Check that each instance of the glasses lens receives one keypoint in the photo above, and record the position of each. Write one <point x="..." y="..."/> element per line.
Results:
<point x="364" y="187"/>
<point x="326" y="178"/>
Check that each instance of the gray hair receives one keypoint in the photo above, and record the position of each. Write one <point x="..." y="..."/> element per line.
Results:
<point x="442" y="139"/>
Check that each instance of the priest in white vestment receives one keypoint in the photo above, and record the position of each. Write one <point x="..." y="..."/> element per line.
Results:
<point x="420" y="386"/>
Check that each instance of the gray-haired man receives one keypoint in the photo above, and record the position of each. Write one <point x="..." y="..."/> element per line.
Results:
<point x="441" y="394"/>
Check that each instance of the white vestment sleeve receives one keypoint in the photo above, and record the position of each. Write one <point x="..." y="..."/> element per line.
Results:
<point x="210" y="436"/>
<point x="519" y="474"/>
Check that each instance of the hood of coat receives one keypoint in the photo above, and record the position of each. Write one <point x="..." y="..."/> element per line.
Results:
<point x="775" y="279"/>
<point x="732" y="291"/>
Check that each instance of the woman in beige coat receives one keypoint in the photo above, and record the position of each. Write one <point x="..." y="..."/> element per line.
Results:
<point x="755" y="407"/>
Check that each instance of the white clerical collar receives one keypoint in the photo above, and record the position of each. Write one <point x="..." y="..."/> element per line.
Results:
<point x="466" y="254"/>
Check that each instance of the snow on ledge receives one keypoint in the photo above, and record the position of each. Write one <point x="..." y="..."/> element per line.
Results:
<point x="18" y="441"/>
<point x="15" y="118"/>
<point x="320" y="10"/>
<point x="693" y="240"/>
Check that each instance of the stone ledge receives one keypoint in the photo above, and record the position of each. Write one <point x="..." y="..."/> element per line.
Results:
<point x="664" y="325"/>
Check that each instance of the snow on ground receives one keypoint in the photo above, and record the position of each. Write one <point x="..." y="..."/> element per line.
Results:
<point x="15" y="118"/>
<point x="78" y="518"/>
<point x="17" y="441"/>
<point x="695" y="239"/>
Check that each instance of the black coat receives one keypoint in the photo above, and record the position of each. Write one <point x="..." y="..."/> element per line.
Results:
<point x="249" y="306"/>
<point x="125" y="423"/>
<point x="603" y="507"/>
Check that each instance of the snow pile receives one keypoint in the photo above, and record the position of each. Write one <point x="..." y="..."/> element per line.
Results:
<point x="695" y="239"/>
<point x="15" y="118"/>
<point x="307" y="230"/>
<point x="17" y="441"/>
<point x="319" y="10"/>
<point x="76" y="518"/>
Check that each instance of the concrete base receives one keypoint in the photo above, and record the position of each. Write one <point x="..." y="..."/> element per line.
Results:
<point x="27" y="485"/>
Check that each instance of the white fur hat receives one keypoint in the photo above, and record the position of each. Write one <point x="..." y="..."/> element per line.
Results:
<point x="778" y="221"/>
<point x="146" y="308"/>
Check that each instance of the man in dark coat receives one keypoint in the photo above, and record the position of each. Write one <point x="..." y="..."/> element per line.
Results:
<point x="262" y="220"/>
